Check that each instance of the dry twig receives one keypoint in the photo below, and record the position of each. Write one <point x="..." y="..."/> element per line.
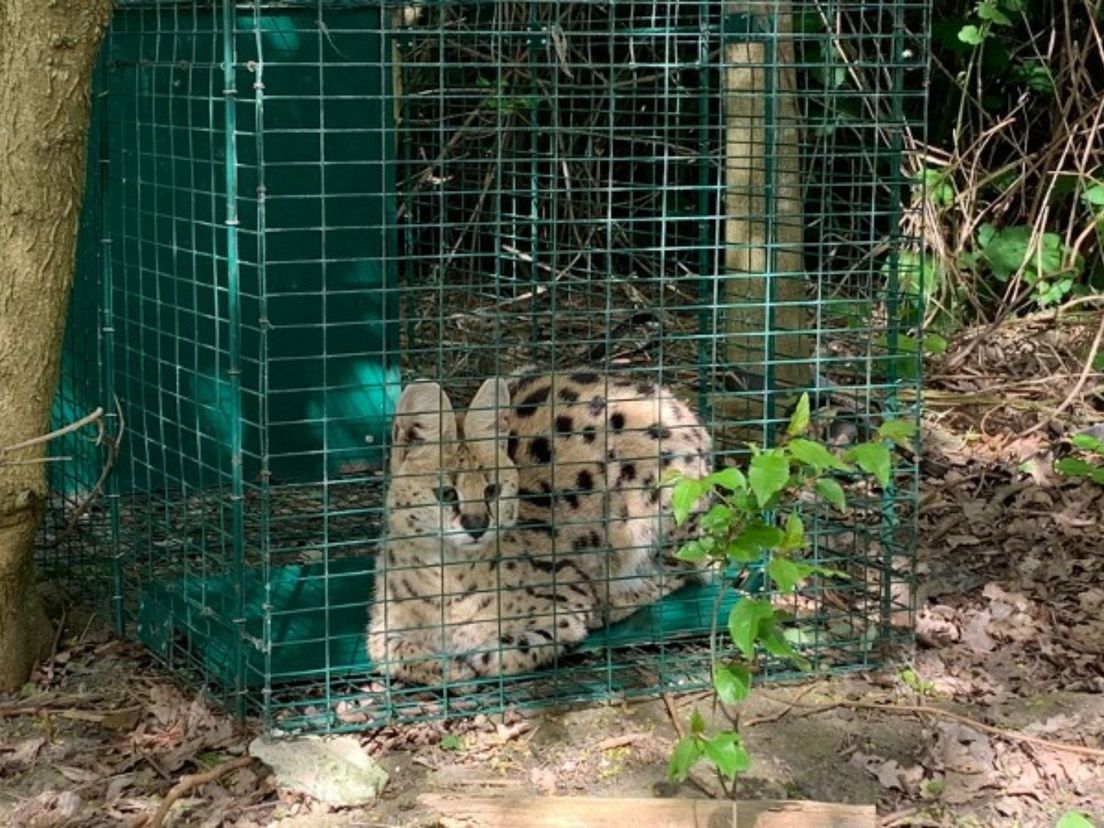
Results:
<point x="928" y="710"/>
<point x="88" y="419"/>
<point x="190" y="782"/>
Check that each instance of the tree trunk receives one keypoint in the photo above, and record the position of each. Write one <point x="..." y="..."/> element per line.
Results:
<point x="765" y="287"/>
<point x="47" y="51"/>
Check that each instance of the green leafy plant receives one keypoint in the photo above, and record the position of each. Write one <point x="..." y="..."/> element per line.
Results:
<point x="987" y="15"/>
<point x="450" y="741"/>
<point x="752" y="518"/>
<point x="1089" y="464"/>
<point x="1047" y="265"/>
<point x="503" y="100"/>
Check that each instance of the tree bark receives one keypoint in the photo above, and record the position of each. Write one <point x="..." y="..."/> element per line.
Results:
<point x="47" y="52"/>
<point x="766" y="301"/>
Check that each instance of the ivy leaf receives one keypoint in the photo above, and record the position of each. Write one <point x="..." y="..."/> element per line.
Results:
<point x="814" y="454"/>
<point x="1094" y="195"/>
<point x="989" y="11"/>
<point x="1008" y="250"/>
<point x="727" y="753"/>
<point x="744" y="621"/>
<point x="897" y="430"/>
<point x="685" y="495"/>
<point x="799" y="420"/>
<point x="832" y="491"/>
<point x="872" y="458"/>
<point x="686" y="754"/>
<point x="732" y="682"/>
<point x="971" y="35"/>
<point x="768" y="475"/>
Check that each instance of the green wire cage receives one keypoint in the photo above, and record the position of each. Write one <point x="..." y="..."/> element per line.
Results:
<point x="295" y="208"/>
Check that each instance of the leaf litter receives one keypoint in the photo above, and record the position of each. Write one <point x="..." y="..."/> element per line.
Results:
<point x="1010" y="637"/>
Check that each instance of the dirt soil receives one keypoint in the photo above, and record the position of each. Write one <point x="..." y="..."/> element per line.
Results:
<point x="996" y="717"/>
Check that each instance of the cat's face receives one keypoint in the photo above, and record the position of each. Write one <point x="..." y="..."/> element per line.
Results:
<point x="451" y="479"/>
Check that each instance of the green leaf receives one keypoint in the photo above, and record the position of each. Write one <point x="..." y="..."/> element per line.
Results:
<point x="971" y="35"/>
<point x="1088" y="443"/>
<point x="815" y="454"/>
<point x="934" y="344"/>
<point x="788" y="574"/>
<point x="717" y="520"/>
<point x="768" y="475"/>
<point x="744" y="621"/>
<point x="686" y="754"/>
<point x="794" y="533"/>
<point x="774" y="642"/>
<point x="1007" y="251"/>
<point x="897" y="430"/>
<point x="697" y="723"/>
<point x="1073" y="819"/>
<point x="753" y="540"/>
<point x="831" y="76"/>
<point x="1035" y="75"/>
<point x="732" y="682"/>
<point x="872" y="458"/>
<point x="799" y="420"/>
<point x="826" y="571"/>
<point x="939" y="191"/>
<point x="832" y="491"/>
<point x="450" y="741"/>
<point x="989" y="11"/>
<point x="1074" y="467"/>
<point x="729" y="478"/>
<point x="692" y="551"/>
<point x="685" y="495"/>
<point x="1094" y="195"/>
<point x="726" y="752"/>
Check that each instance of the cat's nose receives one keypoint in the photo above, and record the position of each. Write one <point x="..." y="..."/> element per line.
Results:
<point x="474" y="525"/>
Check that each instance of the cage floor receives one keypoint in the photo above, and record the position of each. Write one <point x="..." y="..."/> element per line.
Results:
<point x="317" y="618"/>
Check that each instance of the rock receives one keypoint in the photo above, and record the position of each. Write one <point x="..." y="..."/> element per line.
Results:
<point x="334" y="770"/>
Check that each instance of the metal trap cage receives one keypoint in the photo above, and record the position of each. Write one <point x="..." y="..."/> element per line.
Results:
<point x="295" y="208"/>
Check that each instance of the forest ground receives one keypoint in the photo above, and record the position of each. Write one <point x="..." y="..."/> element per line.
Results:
<point x="995" y="717"/>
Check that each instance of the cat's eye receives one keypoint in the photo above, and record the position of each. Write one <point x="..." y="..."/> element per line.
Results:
<point x="446" y="496"/>
<point x="490" y="493"/>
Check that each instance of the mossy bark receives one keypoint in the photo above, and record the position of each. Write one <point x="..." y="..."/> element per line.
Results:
<point x="47" y="52"/>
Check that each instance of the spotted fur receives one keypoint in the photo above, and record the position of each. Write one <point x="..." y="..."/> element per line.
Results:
<point x="517" y="528"/>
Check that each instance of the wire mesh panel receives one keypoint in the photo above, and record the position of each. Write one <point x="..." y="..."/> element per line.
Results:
<point x="625" y="235"/>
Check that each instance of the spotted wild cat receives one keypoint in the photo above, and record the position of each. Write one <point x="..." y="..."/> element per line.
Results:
<point x="535" y="517"/>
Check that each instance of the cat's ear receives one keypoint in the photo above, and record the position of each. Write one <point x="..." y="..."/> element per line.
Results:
<point x="424" y="421"/>
<point x="488" y="415"/>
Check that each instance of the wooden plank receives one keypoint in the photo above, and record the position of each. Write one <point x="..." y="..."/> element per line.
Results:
<point x="512" y="811"/>
<point x="803" y="814"/>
